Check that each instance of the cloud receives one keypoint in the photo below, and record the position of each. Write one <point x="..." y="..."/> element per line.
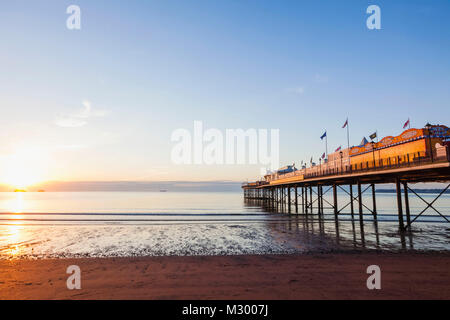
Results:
<point x="80" y="118"/>
<point x="297" y="90"/>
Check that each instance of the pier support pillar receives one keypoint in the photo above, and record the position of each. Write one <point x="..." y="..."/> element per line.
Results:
<point x="360" y="204"/>
<point x="399" y="205"/>
<point x="408" y="215"/>
<point x="272" y="198"/>
<point x="374" y="202"/>
<point x="289" y="199"/>
<point x="276" y="198"/>
<point x="318" y="200"/>
<point x="303" y="199"/>
<point x="296" y="199"/>
<point x="306" y="200"/>
<point x="335" y="202"/>
<point x="321" y="199"/>
<point x="352" y="210"/>
<point x="310" y="199"/>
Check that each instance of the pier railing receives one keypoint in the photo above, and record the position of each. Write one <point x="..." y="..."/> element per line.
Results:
<point x="408" y="160"/>
<point x="376" y="164"/>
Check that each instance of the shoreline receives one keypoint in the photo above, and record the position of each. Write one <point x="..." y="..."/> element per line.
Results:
<point x="337" y="275"/>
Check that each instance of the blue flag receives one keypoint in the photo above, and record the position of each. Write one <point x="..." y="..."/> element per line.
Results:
<point x="323" y="136"/>
<point x="364" y="142"/>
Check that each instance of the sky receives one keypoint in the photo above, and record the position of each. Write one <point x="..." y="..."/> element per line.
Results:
<point x="101" y="103"/>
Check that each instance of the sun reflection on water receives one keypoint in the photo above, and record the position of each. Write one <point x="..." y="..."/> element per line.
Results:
<point x="14" y="236"/>
<point x="20" y="202"/>
<point x="16" y="205"/>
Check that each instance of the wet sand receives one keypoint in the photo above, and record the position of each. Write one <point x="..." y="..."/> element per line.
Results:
<point x="308" y="276"/>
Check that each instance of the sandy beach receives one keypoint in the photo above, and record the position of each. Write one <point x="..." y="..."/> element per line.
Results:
<point x="318" y="276"/>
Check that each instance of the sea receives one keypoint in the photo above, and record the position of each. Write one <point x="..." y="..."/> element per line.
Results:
<point x="36" y="225"/>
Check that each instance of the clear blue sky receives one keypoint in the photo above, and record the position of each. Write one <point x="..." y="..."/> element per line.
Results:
<point x="146" y="68"/>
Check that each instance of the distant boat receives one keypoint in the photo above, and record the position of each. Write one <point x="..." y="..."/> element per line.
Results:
<point x="163" y="190"/>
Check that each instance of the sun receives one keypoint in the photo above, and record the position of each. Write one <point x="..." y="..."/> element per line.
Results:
<point x="23" y="168"/>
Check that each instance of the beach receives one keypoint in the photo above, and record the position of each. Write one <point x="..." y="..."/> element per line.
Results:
<point x="406" y="275"/>
<point x="200" y="246"/>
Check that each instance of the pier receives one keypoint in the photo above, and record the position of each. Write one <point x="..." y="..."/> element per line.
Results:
<point x="304" y="194"/>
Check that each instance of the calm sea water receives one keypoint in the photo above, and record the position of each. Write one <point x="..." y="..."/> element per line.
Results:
<point x="103" y="224"/>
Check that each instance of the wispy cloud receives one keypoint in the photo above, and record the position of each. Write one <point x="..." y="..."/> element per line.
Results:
<point x="80" y="118"/>
<point x="297" y="90"/>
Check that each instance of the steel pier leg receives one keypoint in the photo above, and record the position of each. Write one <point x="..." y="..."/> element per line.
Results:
<point x="273" y="197"/>
<point x="399" y="205"/>
<point x="374" y="201"/>
<point x="351" y="202"/>
<point x="303" y="199"/>
<point x="360" y="206"/>
<point x="306" y="201"/>
<point x="335" y="202"/>
<point x="289" y="199"/>
<point x="319" y="199"/>
<point x="408" y="215"/>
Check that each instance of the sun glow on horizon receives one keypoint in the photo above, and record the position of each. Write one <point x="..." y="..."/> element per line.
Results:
<point x="24" y="168"/>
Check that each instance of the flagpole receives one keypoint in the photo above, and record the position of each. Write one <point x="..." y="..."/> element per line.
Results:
<point x="348" y="136"/>
<point x="326" y="144"/>
<point x="348" y="143"/>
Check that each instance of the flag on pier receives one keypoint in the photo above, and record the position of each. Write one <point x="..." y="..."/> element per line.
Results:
<point x="323" y="156"/>
<point x="406" y="124"/>
<point x="373" y="136"/>
<point x="348" y="134"/>
<point x="364" y="142"/>
<point x="338" y="149"/>
<point x="345" y="124"/>
<point x="323" y="136"/>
